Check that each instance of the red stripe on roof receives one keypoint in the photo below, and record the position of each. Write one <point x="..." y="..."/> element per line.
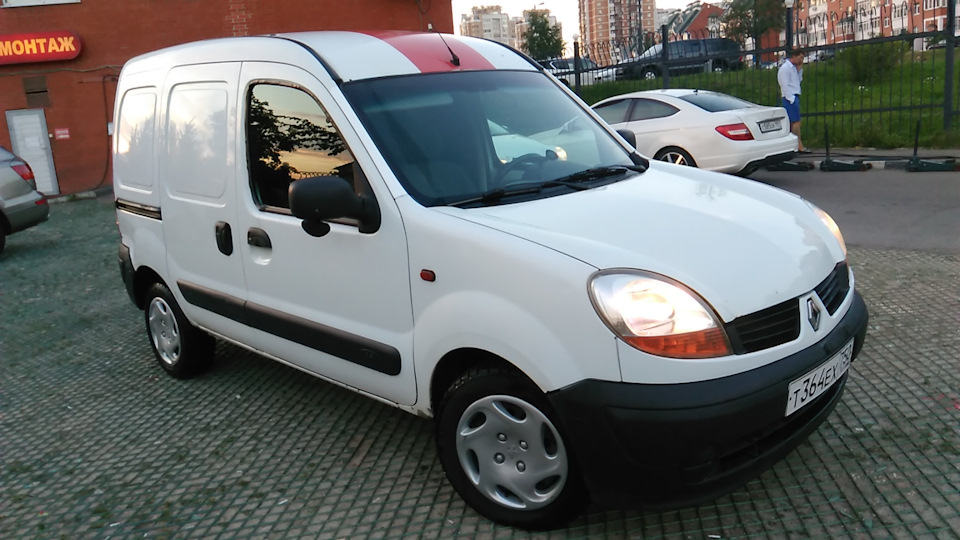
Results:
<point x="429" y="51"/>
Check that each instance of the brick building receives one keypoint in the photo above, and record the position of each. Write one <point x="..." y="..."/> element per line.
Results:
<point x="823" y="22"/>
<point x="59" y="61"/>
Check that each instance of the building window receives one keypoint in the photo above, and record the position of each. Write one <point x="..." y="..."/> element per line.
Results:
<point x="35" y="89"/>
<point x="24" y="3"/>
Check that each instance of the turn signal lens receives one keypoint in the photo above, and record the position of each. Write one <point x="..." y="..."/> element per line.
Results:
<point x="658" y="315"/>
<point x="736" y="132"/>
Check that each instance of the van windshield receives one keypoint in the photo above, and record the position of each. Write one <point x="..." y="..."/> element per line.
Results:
<point x="452" y="137"/>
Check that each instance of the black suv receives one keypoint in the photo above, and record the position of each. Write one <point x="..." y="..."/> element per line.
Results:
<point x="684" y="56"/>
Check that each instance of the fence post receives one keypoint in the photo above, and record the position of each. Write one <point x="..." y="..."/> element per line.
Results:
<point x="664" y="57"/>
<point x="577" y="66"/>
<point x="950" y="30"/>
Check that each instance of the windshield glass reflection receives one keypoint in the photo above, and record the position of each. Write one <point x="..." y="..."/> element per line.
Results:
<point x="453" y="136"/>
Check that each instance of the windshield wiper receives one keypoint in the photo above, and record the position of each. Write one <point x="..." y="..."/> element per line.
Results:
<point x="599" y="173"/>
<point x="496" y="194"/>
<point x="574" y="181"/>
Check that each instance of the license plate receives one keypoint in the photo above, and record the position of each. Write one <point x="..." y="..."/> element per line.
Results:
<point x="769" y="125"/>
<point x="805" y="389"/>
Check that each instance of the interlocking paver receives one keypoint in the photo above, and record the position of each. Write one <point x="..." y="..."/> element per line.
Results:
<point x="96" y="442"/>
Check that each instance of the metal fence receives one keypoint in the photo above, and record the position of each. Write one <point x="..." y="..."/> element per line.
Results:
<point x="858" y="90"/>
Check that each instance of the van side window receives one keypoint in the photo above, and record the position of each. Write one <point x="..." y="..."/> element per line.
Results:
<point x="289" y="137"/>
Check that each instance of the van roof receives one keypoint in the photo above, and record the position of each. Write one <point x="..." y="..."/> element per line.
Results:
<point x="349" y="56"/>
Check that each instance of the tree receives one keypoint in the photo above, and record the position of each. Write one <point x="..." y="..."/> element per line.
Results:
<point x="541" y="40"/>
<point x="753" y="18"/>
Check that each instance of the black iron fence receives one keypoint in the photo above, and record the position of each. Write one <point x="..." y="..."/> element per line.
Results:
<point x="859" y="88"/>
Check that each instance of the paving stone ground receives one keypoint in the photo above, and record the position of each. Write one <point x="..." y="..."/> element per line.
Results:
<point x="96" y="442"/>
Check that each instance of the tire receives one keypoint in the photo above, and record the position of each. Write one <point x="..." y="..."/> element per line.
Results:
<point x="3" y="239"/>
<point x="182" y="349"/>
<point x="649" y="74"/>
<point x="504" y="453"/>
<point x="675" y="155"/>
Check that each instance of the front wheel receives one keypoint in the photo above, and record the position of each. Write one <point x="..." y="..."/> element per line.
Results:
<point x="504" y="453"/>
<point x="181" y="349"/>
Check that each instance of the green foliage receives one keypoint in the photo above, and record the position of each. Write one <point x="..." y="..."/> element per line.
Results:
<point x="541" y="40"/>
<point x="753" y="18"/>
<point x="873" y="62"/>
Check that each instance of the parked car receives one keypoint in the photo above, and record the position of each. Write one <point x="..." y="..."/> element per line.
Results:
<point x="683" y="56"/>
<point x="21" y="205"/>
<point x="702" y="129"/>
<point x="579" y="324"/>
<point x="590" y="72"/>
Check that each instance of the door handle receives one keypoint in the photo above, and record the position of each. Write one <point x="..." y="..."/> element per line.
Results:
<point x="258" y="237"/>
<point x="224" y="237"/>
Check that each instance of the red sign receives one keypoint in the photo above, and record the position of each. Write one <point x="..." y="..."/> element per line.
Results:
<point x="61" y="133"/>
<point x="38" y="47"/>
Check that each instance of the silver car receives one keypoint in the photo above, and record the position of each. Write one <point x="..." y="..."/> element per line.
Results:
<point x="21" y="205"/>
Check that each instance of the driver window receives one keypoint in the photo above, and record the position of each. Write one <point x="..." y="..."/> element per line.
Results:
<point x="289" y="137"/>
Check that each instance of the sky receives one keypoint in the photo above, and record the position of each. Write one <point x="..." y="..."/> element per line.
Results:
<point x="564" y="10"/>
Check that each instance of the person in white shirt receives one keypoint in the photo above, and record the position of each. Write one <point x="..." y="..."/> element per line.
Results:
<point x="790" y="76"/>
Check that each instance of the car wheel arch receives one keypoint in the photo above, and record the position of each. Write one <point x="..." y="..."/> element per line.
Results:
<point x="5" y="226"/>
<point x="143" y="278"/>
<point x="687" y="156"/>
<point x="457" y="362"/>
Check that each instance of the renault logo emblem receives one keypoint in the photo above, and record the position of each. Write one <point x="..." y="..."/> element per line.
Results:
<point x="813" y="314"/>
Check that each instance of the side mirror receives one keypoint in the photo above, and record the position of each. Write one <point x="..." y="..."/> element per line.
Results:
<point x="320" y="199"/>
<point x="629" y="136"/>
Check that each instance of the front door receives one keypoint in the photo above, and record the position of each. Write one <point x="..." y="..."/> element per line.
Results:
<point x="31" y="141"/>
<point x="338" y="305"/>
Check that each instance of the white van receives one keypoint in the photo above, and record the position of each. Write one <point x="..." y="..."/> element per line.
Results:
<point x="439" y="224"/>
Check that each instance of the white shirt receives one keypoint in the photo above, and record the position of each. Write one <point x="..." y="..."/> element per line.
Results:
<point x="789" y="77"/>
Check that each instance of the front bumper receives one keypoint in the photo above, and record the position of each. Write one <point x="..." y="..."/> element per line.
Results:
<point x="675" y="445"/>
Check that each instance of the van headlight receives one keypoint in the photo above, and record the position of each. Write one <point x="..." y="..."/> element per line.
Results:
<point x="657" y="315"/>
<point x="831" y="224"/>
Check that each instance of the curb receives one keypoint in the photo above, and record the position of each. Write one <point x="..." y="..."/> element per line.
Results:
<point x="82" y="195"/>
<point x="877" y="164"/>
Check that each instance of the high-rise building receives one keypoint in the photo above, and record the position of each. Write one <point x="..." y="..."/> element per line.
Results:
<point x="616" y="20"/>
<point x="489" y="22"/>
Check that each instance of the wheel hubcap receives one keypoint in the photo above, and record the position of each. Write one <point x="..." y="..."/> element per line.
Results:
<point x="164" y="331"/>
<point x="511" y="452"/>
<point x="674" y="157"/>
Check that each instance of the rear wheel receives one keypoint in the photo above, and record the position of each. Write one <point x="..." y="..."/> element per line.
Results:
<point x="504" y="453"/>
<point x="676" y="155"/>
<point x="181" y="349"/>
<point x="649" y="73"/>
<point x="3" y="239"/>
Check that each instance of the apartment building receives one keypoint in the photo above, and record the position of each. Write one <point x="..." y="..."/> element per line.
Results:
<point x="824" y="22"/>
<point x="616" y="20"/>
<point x="490" y="22"/>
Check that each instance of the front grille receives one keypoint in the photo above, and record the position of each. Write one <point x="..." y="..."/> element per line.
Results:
<point x="834" y="289"/>
<point x="765" y="328"/>
<point x="781" y="323"/>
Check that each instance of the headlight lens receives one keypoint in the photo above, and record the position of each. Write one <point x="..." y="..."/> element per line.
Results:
<point x="831" y="224"/>
<point x="657" y="315"/>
